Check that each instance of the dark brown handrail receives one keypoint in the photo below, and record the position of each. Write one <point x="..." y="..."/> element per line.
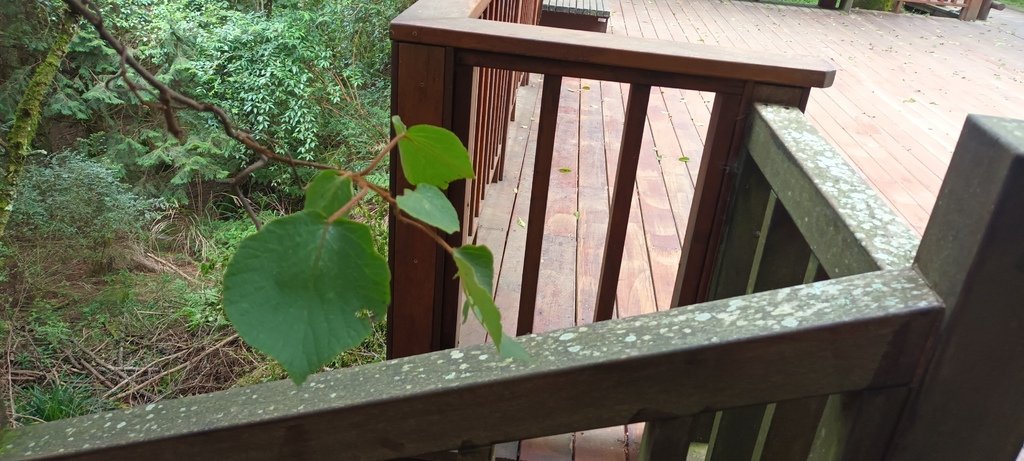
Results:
<point x="611" y="50"/>
<point x="439" y="39"/>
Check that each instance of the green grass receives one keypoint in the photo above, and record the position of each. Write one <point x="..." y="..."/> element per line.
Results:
<point x="55" y="402"/>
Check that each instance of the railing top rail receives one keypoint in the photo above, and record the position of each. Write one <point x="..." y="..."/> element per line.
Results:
<point x="764" y="347"/>
<point x="452" y="23"/>
<point x="849" y="227"/>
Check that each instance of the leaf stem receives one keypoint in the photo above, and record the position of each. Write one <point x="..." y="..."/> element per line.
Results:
<point x="348" y="205"/>
<point x="387" y="149"/>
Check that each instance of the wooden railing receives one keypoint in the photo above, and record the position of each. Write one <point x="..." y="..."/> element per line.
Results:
<point x="822" y="332"/>
<point x="440" y="45"/>
<point x="924" y="359"/>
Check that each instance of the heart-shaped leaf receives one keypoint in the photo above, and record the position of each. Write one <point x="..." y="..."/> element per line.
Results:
<point x="302" y="290"/>
<point x="327" y="192"/>
<point x="432" y="155"/>
<point x="428" y="204"/>
<point x="476" y="271"/>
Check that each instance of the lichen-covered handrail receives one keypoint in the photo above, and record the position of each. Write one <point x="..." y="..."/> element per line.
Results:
<point x="864" y="331"/>
<point x="846" y="223"/>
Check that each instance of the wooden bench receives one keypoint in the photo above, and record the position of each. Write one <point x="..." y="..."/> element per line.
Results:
<point x="589" y="15"/>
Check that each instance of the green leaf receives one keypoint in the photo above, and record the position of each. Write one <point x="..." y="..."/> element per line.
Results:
<point x="432" y="155"/>
<point x="684" y="159"/>
<point x="399" y="126"/>
<point x="565" y="170"/>
<point x="302" y="290"/>
<point x="476" y="271"/>
<point x="428" y="204"/>
<point x="327" y="192"/>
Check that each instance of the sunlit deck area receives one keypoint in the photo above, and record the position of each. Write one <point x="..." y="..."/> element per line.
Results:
<point x="904" y="86"/>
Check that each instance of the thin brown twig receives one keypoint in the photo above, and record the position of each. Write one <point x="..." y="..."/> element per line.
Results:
<point x="248" y="208"/>
<point x="237" y="179"/>
<point x="348" y="205"/>
<point x="380" y="156"/>
<point x="437" y="238"/>
<point x="187" y="364"/>
<point x="138" y="373"/>
<point x="168" y="96"/>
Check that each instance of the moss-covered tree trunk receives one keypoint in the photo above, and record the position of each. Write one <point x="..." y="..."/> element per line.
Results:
<point x="26" y="119"/>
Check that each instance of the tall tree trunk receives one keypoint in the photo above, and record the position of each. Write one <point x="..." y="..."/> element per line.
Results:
<point x="26" y="119"/>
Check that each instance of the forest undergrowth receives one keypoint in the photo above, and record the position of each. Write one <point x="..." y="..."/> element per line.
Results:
<point x="114" y="254"/>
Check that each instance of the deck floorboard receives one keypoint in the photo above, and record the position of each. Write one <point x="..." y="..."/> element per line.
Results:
<point x="904" y="87"/>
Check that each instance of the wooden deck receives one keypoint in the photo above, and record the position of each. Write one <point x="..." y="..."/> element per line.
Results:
<point x="904" y="86"/>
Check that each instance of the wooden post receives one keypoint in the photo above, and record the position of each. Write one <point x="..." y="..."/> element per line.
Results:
<point x="971" y="400"/>
<point x="714" y="188"/>
<point x="421" y="93"/>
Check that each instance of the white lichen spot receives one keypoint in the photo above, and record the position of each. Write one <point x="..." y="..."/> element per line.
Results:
<point x="484" y="357"/>
<point x="702" y="316"/>
<point x="450" y="375"/>
<point x="630" y="338"/>
<point x="121" y="424"/>
<point x="790" y="322"/>
<point x="463" y="366"/>
<point x="566" y="336"/>
<point x="456" y="354"/>
<point x="574" y="349"/>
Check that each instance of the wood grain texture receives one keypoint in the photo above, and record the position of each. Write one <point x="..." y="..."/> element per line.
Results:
<point x="971" y="252"/>
<point x="416" y="262"/>
<point x="447" y="399"/>
<point x="538" y="202"/>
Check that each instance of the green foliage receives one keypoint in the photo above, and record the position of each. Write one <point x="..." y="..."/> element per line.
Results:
<point x="55" y="402"/>
<point x="432" y="155"/>
<point x="476" y="271"/>
<point x="311" y="80"/>
<point x="303" y="289"/>
<point x="69" y="196"/>
<point x="307" y="287"/>
<point x="327" y="192"/>
<point x="428" y="204"/>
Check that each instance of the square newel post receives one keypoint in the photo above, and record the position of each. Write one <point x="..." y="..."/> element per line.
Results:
<point x="421" y="317"/>
<point x="970" y="404"/>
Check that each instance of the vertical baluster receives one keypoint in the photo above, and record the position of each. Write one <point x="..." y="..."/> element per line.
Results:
<point x="472" y="140"/>
<point x="506" y="99"/>
<point x="538" y="201"/>
<point x="740" y="243"/>
<point x="666" y="440"/>
<point x="726" y="124"/>
<point x="622" y="196"/>
<point x="714" y="185"/>
<point x="484" y="134"/>
<point x="463" y="109"/>
<point x="781" y="259"/>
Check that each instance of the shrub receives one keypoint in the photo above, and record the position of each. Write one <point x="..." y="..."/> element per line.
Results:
<point x="73" y="197"/>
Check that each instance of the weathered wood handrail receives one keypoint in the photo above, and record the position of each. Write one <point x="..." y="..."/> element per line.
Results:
<point x="769" y="346"/>
<point x="869" y="335"/>
<point x="802" y="214"/>
<point x="454" y="24"/>
<point x="850" y="229"/>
